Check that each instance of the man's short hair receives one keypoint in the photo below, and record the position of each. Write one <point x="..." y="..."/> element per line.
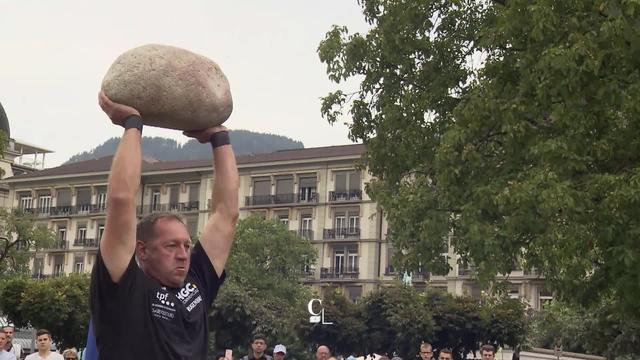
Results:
<point x="425" y="344"/>
<point x="9" y="326"/>
<point x="446" y="351"/>
<point x="145" y="230"/>
<point x="41" y="332"/>
<point x="258" y="337"/>
<point x="488" y="348"/>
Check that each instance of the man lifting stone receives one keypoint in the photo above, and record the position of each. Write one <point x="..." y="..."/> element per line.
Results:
<point x="151" y="288"/>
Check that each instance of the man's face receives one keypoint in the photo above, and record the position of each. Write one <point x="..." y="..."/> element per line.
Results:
<point x="166" y="257"/>
<point x="3" y="340"/>
<point x="258" y="346"/>
<point x="322" y="353"/>
<point x="9" y="331"/>
<point x="43" y="342"/>
<point x="444" y="356"/>
<point x="278" y="356"/>
<point x="426" y="352"/>
<point x="487" y="355"/>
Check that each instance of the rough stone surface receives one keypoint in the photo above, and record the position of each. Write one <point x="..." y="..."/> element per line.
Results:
<point x="171" y="87"/>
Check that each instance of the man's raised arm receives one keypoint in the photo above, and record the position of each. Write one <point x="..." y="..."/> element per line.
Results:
<point x="119" y="238"/>
<point x="217" y="236"/>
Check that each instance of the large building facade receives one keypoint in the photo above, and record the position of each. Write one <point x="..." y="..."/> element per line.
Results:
<point x="316" y="192"/>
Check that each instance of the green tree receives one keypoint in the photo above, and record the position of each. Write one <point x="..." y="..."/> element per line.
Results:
<point x="263" y="292"/>
<point x="347" y="332"/>
<point x="19" y="234"/>
<point x="597" y="331"/>
<point x="60" y="305"/>
<point x="507" y="124"/>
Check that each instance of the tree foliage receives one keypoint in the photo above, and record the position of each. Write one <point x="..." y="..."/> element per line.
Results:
<point x="602" y="331"/>
<point x="507" y="124"/>
<point x="60" y="305"/>
<point x="18" y="235"/>
<point x="397" y="319"/>
<point x="263" y="292"/>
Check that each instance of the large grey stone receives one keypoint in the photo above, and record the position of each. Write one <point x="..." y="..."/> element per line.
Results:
<point x="171" y="87"/>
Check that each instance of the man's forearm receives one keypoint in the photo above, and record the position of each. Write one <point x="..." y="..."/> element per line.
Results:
<point x="227" y="182"/>
<point x="124" y="180"/>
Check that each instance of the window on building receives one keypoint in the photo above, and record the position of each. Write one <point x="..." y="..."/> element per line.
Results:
<point x="194" y="196"/>
<point x="63" y="199"/>
<point x="306" y="226"/>
<point x="100" y="232"/>
<point x="354" y="292"/>
<point x="192" y="225"/>
<point x="390" y="269"/>
<point x="283" y="217"/>
<point x="101" y="199"/>
<point x="307" y="189"/>
<point x="284" y="190"/>
<point x="155" y="199"/>
<point x="38" y="267"/>
<point x="44" y="204"/>
<point x="83" y="200"/>
<point x="78" y="264"/>
<point x="26" y="202"/>
<point x="544" y="298"/>
<point x="62" y="233"/>
<point x="261" y="191"/>
<point x="174" y="197"/>
<point x="58" y="265"/>
<point x="81" y="234"/>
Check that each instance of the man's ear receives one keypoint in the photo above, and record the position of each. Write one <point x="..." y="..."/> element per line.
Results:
<point x="141" y="249"/>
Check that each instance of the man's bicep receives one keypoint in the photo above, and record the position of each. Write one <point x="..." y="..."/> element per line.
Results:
<point x="119" y="239"/>
<point x="217" y="239"/>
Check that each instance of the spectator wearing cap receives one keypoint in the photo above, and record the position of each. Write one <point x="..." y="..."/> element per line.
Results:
<point x="279" y="352"/>
<point x="258" y="346"/>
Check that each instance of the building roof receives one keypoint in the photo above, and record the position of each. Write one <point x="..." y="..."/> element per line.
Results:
<point x="102" y="165"/>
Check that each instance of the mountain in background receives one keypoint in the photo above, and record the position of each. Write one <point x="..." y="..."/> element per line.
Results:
<point x="244" y="143"/>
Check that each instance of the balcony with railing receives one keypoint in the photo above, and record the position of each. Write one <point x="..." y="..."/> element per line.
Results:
<point x="59" y="245"/>
<point x="345" y="196"/>
<point x="169" y="207"/>
<point x="87" y="243"/>
<point x="278" y="199"/>
<point x="306" y="234"/>
<point x="307" y="274"/>
<point x="339" y="273"/>
<point x="341" y="233"/>
<point x="66" y="210"/>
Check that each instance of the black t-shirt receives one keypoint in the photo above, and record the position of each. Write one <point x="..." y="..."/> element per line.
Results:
<point x="138" y="318"/>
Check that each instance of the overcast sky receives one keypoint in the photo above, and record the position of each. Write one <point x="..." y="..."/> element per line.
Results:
<point x="54" y="54"/>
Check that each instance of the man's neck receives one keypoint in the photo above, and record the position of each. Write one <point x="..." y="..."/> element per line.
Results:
<point x="44" y="353"/>
<point x="257" y="355"/>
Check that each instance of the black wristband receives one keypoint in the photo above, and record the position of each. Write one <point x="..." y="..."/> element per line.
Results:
<point x="219" y="139"/>
<point x="133" y="121"/>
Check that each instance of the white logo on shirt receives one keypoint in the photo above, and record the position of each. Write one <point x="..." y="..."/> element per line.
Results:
<point x="185" y="293"/>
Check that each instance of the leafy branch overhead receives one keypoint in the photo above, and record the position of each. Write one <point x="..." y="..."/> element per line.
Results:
<point x="506" y="129"/>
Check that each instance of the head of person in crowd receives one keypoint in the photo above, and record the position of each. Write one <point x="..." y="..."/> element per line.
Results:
<point x="487" y="352"/>
<point x="279" y="351"/>
<point x="3" y="339"/>
<point x="323" y="353"/>
<point x="219" y="355"/>
<point x="258" y="345"/>
<point x="43" y="340"/>
<point x="8" y="330"/>
<point x="70" y="354"/>
<point x="445" y="354"/>
<point x="426" y="351"/>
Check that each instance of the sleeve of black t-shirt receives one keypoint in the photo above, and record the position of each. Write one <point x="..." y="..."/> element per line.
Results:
<point x="105" y="293"/>
<point x="202" y="269"/>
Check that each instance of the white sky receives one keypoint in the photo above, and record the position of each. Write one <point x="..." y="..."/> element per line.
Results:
<point x="54" y="54"/>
